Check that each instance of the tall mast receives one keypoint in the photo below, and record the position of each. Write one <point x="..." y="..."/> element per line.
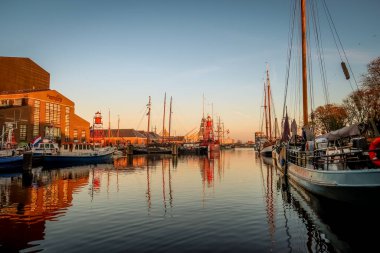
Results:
<point x="275" y="128"/>
<point x="163" y="120"/>
<point x="218" y="127"/>
<point x="118" y="126"/>
<point x="203" y="104"/>
<point x="223" y="133"/>
<point x="304" y="69"/>
<point x="265" y="111"/>
<point x="269" y="114"/>
<point x="170" y="116"/>
<point x="109" y="125"/>
<point x="148" y="135"/>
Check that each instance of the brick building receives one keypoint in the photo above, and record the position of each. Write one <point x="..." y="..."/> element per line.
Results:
<point x="27" y="101"/>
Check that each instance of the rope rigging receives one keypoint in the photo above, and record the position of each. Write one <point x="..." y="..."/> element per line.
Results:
<point x="336" y="40"/>
<point x="315" y="50"/>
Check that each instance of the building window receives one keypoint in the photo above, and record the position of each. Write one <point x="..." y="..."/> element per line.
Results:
<point x="52" y="132"/>
<point x="67" y="124"/>
<point x="75" y="134"/>
<point x="83" y="135"/>
<point x="36" y="118"/>
<point x="22" y="132"/>
<point x="53" y="114"/>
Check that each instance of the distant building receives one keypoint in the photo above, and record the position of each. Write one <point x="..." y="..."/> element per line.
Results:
<point x="27" y="101"/>
<point x="134" y="137"/>
<point x="122" y="136"/>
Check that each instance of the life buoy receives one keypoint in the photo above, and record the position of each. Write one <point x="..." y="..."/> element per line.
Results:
<point x="373" y="154"/>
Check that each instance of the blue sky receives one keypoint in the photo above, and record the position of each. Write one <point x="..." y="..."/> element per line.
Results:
<point x="112" y="55"/>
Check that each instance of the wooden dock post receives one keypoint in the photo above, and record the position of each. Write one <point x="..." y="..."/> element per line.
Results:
<point x="27" y="161"/>
<point x="130" y="150"/>
<point x="174" y="149"/>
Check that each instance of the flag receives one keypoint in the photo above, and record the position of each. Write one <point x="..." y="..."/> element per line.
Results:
<point x="36" y="140"/>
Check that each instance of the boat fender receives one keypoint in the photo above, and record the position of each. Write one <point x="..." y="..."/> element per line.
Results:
<point x="373" y="154"/>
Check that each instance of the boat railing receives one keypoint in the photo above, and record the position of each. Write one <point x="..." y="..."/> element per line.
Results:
<point x="343" y="158"/>
<point x="300" y="158"/>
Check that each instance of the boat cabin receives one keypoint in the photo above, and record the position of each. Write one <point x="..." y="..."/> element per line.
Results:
<point x="45" y="147"/>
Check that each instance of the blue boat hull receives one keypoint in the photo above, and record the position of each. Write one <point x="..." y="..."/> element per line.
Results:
<point x="11" y="163"/>
<point x="71" y="160"/>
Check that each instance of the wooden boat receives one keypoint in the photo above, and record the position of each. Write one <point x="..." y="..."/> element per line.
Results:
<point x="266" y="149"/>
<point x="265" y="143"/>
<point x="341" y="173"/>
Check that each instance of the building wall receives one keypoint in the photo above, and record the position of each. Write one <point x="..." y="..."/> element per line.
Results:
<point x="21" y="115"/>
<point x="125" y="140"/>
<point x="82" y="127"/>
<point x="45" y="113"/>
<point x="21" y="74"/>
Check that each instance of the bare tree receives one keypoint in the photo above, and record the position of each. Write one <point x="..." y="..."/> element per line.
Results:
<point x="364" y="104"/>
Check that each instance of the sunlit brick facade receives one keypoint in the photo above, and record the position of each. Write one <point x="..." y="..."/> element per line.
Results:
<point x="37" y="111"/>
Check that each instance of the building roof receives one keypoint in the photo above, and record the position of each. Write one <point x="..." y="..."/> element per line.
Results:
<point x="152" y="135"/>
<point x="124" y="133"/>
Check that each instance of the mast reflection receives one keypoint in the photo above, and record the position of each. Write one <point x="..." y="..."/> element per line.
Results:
<point x="268" y="193"/>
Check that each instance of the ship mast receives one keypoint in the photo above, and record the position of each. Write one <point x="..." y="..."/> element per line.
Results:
<point x="265" y="111"/>
<point x="109" y="125"/>
<point x="170" y="117"/>
<point x="269" y="114"/>
<point x="203" y="106"/>
<point x="304" y="69"/>
<point x="148" y="135"/>
<point x="163" y="120"/>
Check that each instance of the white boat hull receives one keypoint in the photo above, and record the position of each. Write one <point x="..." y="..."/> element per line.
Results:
<point x="354" y="186"/>
<point x="267" y="151"/>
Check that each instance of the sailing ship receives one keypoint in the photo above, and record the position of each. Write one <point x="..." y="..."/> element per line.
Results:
<point x="154" y="147"/>
<point x="208" y="141"/>
<point x="345" y="173"/>
<point x="264" y="144"/>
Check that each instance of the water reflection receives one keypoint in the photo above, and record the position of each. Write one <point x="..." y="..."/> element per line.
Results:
<point x="266" y="164"/>
<point x="29" y="200"/>
<point x="319" y="238"/>
<point x="332" y="226"/>
<point x="236" y="200"/>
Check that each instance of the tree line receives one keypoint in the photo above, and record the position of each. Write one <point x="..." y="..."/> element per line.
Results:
<point x="359" y="106"/>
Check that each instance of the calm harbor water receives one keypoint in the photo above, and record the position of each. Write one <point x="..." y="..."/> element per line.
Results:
<point x="234" y="202"/>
